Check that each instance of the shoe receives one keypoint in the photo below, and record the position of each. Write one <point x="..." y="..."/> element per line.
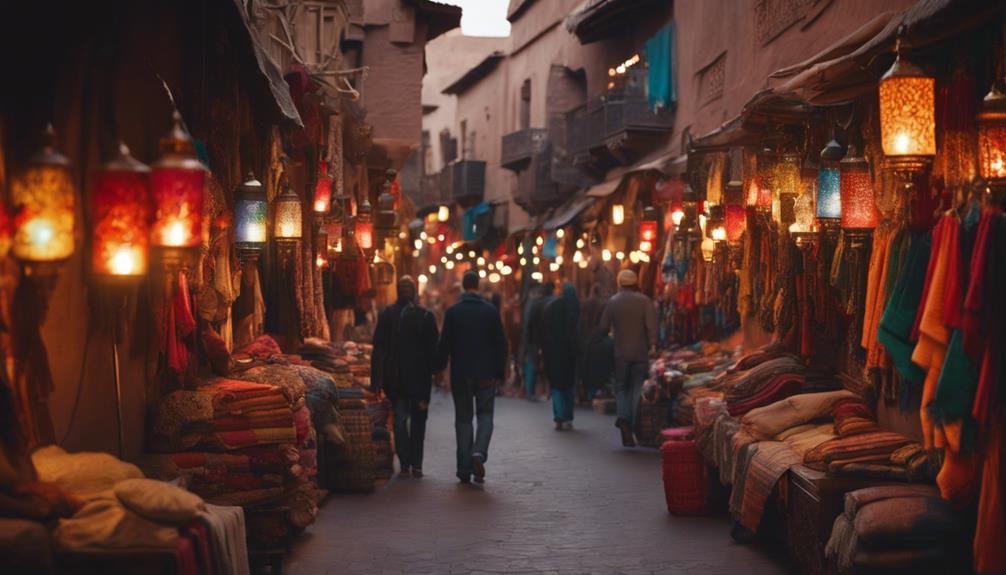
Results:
<point x="417" y="472"/>
<point x="404" y="472"/>
<point x="567" y="425"/>
<point x="478" y="468"/>
<point x="627" y="439"/>
<point x="465" y="479"/>
<point x="559" y="426"/>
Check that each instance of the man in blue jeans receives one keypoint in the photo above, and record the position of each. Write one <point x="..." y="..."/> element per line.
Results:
<point x="633" y="319"/>
<point x="472" y="339"/>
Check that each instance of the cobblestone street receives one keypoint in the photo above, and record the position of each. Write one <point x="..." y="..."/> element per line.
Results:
<point x="553" y="502"/>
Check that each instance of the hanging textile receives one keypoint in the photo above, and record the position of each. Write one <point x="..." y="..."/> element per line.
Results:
<point x="659" y="51"/>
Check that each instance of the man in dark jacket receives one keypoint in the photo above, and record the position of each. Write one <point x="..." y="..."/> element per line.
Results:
<point x="473" y="341"/>
<point x="561" y="320"/>
<point x="533" y="334"/>
<point x="403" y="362"/>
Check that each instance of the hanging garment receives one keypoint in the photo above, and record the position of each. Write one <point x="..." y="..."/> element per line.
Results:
<point x="659" y="51"/>
<point x="896" y="322"/>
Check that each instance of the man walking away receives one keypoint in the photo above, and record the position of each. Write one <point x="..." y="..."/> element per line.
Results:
<point x="403" y="363"/>
<point x="559" y="351"/>
<point x="472" y="339"/>
<point x="533" y="334"/>
<point x="632" y="318"/>
<point x="594" y="365"/>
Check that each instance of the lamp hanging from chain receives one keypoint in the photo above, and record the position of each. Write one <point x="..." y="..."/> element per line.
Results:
<point x="288" y="219"/>
<point x="176" y="186"/>
<point x="992" y="139"/>
<point x="364" y="227"/>
<point x="907" y="116"/>
<point x="859" y="211"/>
<point x="250" y="218"/>
<point x="766" y="164"/>
<point x="829" y="184"/>
<point x="322" y="190"/>
<point x="121" y="214"/>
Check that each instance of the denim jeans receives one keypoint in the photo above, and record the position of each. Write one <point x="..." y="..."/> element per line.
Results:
<point x="529" y="376"/>
<point x="473" y="398"/>
<point x="629" y="378"/>
<point x="410" y="431"/>
<point x="562" y="404"/>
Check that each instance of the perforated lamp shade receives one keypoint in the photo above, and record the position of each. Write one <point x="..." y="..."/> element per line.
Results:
<point x="364" y="228"/>
<point x="786" y="175"/>
<point x="829" y="182"/>
<point x="121" y="213"/>
<point x="250" y="215"/>
<point x="992" y="138"/>
<point x="43" y="198"/>
<point x="288" y="219"/>
<point x="764" y="179"/>
<point x="322" y="190"/>
<point x="176" y="187"/>
<point x="907" y="111"/>
<point x="859" y="211"/>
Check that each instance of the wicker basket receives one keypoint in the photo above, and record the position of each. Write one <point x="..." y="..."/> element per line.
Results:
<point x="385" y="459"/>
<point x="352" y="467"/>
<point x="651" y="420"/>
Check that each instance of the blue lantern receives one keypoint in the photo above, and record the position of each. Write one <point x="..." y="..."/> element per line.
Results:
<point x="829" y="204"/>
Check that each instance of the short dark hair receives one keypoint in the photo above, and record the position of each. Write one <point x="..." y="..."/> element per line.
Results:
<point x="549" y="287"/>
<point x="470" y="280"/>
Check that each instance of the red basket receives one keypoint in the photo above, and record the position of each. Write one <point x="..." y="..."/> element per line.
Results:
<point x="685" y="482"/>
<point x="676" y="433"/>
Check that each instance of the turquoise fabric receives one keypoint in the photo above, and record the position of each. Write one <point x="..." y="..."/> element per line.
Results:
<point x="660" y="56"/>
<point x="899" y="315"/>
<point x="955" y="392"/>
<point x="475" y="222"/>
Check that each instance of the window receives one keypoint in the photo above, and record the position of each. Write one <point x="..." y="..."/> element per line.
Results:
<point x="524" y="110"/>
<point x="464" y="139"/>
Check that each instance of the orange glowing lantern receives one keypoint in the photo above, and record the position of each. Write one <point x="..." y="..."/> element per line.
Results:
<point x="859" y="211"/>
<point x="992" y="138"/>
<point x="176" y="186"/>
<point x="647" y="235"/>
<point x="321" y="248"/>
<point x="121" y="213"/>
<point x="764" y="180"/>
<point x="364" y="227"/>
<point x="322" y="190"/>
<point x="907" y="115"/>
<point x="288" y="219"/>
<point x="43" y="196"/>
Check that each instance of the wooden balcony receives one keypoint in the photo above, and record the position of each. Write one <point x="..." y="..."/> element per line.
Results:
<point x="466" y="181"/>
<point x="518" y="147"/>
<point x="536" y="188"/>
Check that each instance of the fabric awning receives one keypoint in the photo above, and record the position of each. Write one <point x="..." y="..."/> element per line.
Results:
<point x="608" y="186"/>
<point x="569" y="211"/>
<point x="271" y="73"/>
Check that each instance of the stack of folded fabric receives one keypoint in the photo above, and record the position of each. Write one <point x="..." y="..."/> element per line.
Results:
<point x="895" y="529"/>
<point x="324" y="355"/>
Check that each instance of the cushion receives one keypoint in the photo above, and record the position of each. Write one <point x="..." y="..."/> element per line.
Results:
<point x="855" y="500"/>
<point x="104" y="523"/>
<point x="83" y="474"/>
<point x="767" y="422"/>
<point x="159" y="501"/>
<point x="901" y="522"/>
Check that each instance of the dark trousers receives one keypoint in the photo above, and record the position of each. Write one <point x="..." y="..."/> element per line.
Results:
<point x="410" y="431"/>
<point x="478" y="399"/>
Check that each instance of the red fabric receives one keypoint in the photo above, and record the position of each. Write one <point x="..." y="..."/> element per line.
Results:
<point x="779" y="387"/>
<point x="302" y="423"/>
<point x="201" y="543"/>
<point x="972" y="316"/>
<point x="185" y="557"/>
<point x="952" y="297"/>
<point x="180" y="324"/>
<point x="264" y="346"/>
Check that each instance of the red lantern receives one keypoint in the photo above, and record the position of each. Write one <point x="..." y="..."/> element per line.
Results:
<point x="992" y="138"/>
<point x="364" y="227"/>
<point x="647" y="235"/>
<point x="322" y="190"/>
<point x="121" y="212"/>
<point x="176" y="185"/>
<point x="736" y="223"/>
<point x="859" y="211"/>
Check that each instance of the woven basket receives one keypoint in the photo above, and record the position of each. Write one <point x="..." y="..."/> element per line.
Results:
<point x="352" y="467"/>
<point x="685" y="483"/>
<point x="652" y="419"/>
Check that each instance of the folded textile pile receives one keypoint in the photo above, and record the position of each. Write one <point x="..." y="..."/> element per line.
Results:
<point x="895" y="529"/>
<point x="324" y="355"/>
<point x="877" y="454"/>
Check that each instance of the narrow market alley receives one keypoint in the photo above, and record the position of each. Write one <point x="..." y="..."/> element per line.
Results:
<point x="553" y="502"/>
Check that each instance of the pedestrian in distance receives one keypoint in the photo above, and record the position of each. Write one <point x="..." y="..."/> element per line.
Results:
<point x="561" y="321"/>
<point x="472" y="340"/>
<point x="631" y="317"/>
<point x="402" y="365"/>
<point x="533" y="334"/>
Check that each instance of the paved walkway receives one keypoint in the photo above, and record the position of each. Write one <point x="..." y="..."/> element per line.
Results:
<point x="553" y="502"/>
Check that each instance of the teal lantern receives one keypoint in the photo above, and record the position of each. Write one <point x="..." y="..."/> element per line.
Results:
<point x="829" y="202"/>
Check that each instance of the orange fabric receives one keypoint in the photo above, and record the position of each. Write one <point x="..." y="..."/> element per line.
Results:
<point x="876" y="299"/>
<point x="933" y="339"/>
<point x="958" y="478"/>
<point x="989" y="546"/>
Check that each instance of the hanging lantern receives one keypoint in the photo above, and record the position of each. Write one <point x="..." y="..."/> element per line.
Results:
<point x="907" y="115"/>
<point x="43" y="198"/>
<point x="288" y="219"/>
<point x="321" y="248"/>
<point x="803" y="215"/>
<point x="734" y="214"/>
<point x="250" y="214"/>
<point x="176" y="186"/>
<point x="364" y="227"/>
<point x="617" y="214"/>
<point x="859" y="212"/>
<point x="121" y="213"/>
<point x="333" y="239"/>
<point x="322" y="190"/>
<point x="387" y="219"/>
<point x="708" y="248"/>
<point x="992" y="138"/>
<point x="829" y="202"/>
<point x="443" y="213"/>
<point x="786" y="175"/>
<point x="647" y="235"/>
<point x="763" y="183"/>
<point x="716" y="224"/>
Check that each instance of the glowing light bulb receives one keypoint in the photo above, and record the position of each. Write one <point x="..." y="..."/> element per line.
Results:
<point x="646" y="246"/>
<point x="719" y="233"/>
<point x="471" y="254"/>
<point x="558" y="260"/>
<point x="620" y="255"/>
<point x="481" y="261"/>
<point x="537" y="276"/>
<point x="176" y="233"/>
<point x="440" y="237"/>
<point x="902" y="143"/>
<point x="491" y="266"/>
<point x="677" y="216"/>
<point x="431" y="240"/>
<point x="422" y="235"/>
<point x="494" y="278"/>
<point x="415" y="253"/>
<point x="418" y="244"/>
<point x="443" y="213"/>
<point x="443" y="259"/>
<point x="449" y="250"/>
<point x="449" y="265"/>
<point x="320" y="262"/>
<point x="124" y="261"/>
<point x="460" y="256"/>
<point x="582" y="264"/>
<point x="560" y="233"/>
<point x="520" y="250"/>
<point x="40" y="231"/>
<point x="536" y="260"/>
<point x="553" y="267"/>
<point x="577" y="256"/>
<point x="523" y="261"/>
<point x="580" y="243"/>
<point x="482" y="274"/>
<point x="539" y="240"/>
<point x="423" y="279"/>
<point x="255" y="232"/>
<point x="606" y="255"/>
<point x="617" y="214"/>
<point x="634" y="256"/>
<point x="433" y="269"/>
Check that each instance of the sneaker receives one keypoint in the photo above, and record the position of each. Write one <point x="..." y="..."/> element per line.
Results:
<point x="567" y="425"/>
<point x="478" y="468"/>
<point x="417" y="472"/>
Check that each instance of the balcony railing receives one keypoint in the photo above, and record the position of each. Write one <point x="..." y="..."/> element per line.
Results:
<point x="628" y="110"/>
<point x="467" y="181"/>
<point x="536" y="190"/>
<point x="518" y="147"/>
<point x="430" y="190"/>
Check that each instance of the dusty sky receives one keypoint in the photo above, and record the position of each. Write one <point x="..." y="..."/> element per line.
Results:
<point x="483" y="17"/>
